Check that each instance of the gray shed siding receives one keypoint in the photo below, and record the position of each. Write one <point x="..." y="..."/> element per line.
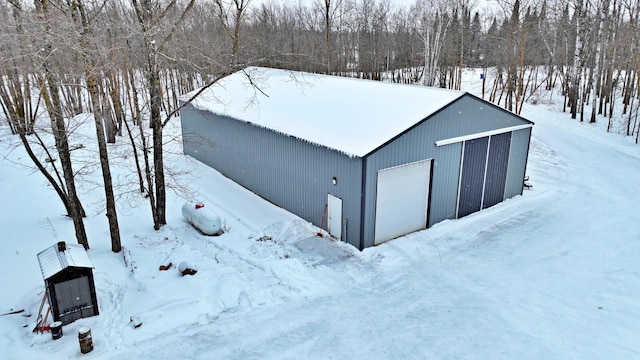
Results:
<point x="465" y="116"/>
<point x="293" y="174"/>
<point x="296" y="175"/>
<point x="518" y="154"/>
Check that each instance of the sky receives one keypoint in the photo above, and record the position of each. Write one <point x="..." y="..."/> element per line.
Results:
<point x="551" y="274"/>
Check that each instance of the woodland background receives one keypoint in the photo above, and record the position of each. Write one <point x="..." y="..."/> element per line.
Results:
<point x="126" y="62"/>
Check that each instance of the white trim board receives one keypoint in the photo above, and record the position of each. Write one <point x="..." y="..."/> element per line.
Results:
<point x="481" y="135"/>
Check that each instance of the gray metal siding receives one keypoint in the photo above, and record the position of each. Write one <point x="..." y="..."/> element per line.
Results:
<point x="468" y="115"/>
<point x="290" y="173"/>
<point x="518" y="154"/>
<point x="444" y="186"/>
<point x="415" y="145"/>
<point x="296" y="175"/>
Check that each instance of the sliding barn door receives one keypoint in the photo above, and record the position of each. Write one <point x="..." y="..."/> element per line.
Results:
<point x="483" y="173"/>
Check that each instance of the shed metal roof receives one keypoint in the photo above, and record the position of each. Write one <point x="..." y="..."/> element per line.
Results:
<point x="352" y="116"/>
<point x="53" y="261"/>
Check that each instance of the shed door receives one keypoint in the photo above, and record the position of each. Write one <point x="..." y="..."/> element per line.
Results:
<point x="334" y="221"/>
<point x="74" y="299"/>
<point x="402" y="200"/>
<point x="474" y="164"/>
<point x="484" y="173"/>
<point x="497" y="162"/>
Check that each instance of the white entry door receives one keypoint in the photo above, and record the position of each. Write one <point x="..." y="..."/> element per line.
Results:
<point x="334" y="217"/>
<point x="402" y="200"/>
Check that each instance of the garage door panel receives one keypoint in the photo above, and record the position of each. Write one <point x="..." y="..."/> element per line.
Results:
<point x="402" y="200"/>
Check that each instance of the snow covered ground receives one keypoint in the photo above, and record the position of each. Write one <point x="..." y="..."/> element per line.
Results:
<point x="552" y="274"/>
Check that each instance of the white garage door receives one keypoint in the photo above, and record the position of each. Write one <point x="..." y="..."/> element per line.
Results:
<point x="402" y="200"/>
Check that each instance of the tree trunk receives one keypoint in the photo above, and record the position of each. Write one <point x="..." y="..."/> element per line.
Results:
<point x="54" y="108"/>
<point x="51" y="95"/>
<point x="158" y="165"/>
<point x="96" y="94"/>
<point x="327" y="35"/>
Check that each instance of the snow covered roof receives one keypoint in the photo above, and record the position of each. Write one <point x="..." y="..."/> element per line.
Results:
<point x="349" y="115"/>
<point x="53" y="260"/>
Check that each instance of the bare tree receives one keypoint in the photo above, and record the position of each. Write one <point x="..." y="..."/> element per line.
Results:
<point x="328" y="10"/>
<point x="230" y="13"/>
<point x="50" y="91"/>
<point x="88" y="52"/>
<point x="432" y="30"/>
<point x="150" y="15"/>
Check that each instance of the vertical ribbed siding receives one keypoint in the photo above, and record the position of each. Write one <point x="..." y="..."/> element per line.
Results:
<point x="518" y="154"/>
<point x="497" y="163"/>
<point x="297" y="175"/>
<point x="290" y="173"/>
<point x="468" y="115"/>
<point x="444" y="188"/>
<point x="474" y="164"/>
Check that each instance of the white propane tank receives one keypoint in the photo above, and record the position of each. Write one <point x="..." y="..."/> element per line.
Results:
<point x="202" y="219"/>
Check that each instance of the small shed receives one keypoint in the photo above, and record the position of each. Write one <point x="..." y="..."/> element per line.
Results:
<point x="368" y="161"/>
<point x="68" y="277"/>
